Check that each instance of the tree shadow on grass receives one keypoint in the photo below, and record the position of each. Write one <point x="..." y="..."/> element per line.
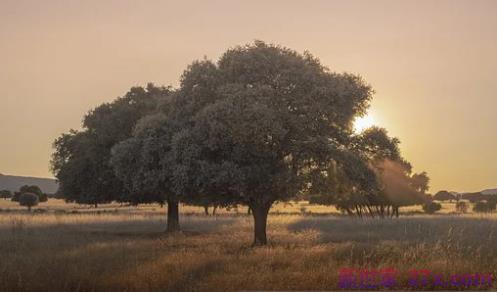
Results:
<point x="63" y="236"/>
<point x="84" y="256"/>
<point x="428" y="229"/>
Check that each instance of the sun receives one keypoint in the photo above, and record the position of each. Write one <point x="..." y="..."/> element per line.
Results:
<point x="362" y="123"/>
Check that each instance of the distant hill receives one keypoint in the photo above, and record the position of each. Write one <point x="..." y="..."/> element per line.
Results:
<point x="489" y="192"/>
<point x="13" y="183"/>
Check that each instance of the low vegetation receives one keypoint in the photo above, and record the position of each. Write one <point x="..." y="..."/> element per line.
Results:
<point x="128" y="251"/>
<point x="28" y="200"/>
<point x="431" y="207"/>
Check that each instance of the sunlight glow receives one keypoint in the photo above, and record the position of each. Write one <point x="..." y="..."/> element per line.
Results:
<point x="362" y="123"/>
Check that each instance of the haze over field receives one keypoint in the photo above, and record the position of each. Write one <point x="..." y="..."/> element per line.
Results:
<point x="431" y="64"/>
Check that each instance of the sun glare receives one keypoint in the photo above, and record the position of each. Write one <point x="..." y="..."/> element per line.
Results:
<point x="362" y="123"/>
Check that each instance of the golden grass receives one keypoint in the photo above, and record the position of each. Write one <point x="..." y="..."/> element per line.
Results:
<point x="60" y="205"/>
<point x="127" y="250"/>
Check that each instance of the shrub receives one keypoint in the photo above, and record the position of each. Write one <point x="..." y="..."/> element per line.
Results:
<point x="28" y="200"/>
<point x="15" y="197"/>
<point x="5" y="194"/>
<point x="431" y="207"/>
<point x="492" y="202"/>
<point x="483" y="207"/>
<point x="462" y="207"/>
<point x="43" y="197"/>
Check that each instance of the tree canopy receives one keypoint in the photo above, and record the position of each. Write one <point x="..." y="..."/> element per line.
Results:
<point x="81" y="161"/>
<point x="28" y="200"/>
<point x="263" y="124"/>
<point x="5" y="194"/>
<point x="396" y="185"/>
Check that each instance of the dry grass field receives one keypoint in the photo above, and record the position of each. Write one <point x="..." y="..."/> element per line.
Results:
<point x="113" y="248"/>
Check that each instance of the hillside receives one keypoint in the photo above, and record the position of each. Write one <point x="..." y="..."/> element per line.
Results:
<point x="489" y="192"/>
<point x="13" y="183"/>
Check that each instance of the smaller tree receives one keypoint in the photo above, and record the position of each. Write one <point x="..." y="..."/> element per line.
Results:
<point x="483" y="207"/>
<point x="5" y="194"/>
<point x="444" y="196"/>
<point x="462" y="207"/>
<point x="31" y="189"/>
<point x="432" y="207"/>
<point x="42" y="197"/>
<point x="492" y="201"/>
<point x="28" y="200"/>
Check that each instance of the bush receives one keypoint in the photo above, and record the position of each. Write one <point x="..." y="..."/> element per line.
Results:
<point x="462" y="207"/>
<point x="431" y="207"/>
<point x="492" y="202"/>
<point x="5" y="194"/>
<point x="484" y="207"/>
<point x="43" y="197"/>
<point x="15" y="197"/>
<point x="28" y="200"/>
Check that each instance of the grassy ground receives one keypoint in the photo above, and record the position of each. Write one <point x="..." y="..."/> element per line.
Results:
<point x="125" y="249"/>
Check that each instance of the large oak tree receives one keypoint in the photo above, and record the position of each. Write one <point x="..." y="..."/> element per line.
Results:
<point x="265" y="124"/>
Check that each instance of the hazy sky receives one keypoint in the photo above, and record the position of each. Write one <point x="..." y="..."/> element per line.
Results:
<point x="433" y="65"/>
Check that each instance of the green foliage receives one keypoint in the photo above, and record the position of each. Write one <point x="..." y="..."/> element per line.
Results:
<point x="396" y="185"/>
<point x="31" y="189"/>
<point x="432" y="207"/>
<point x="81" y="161"/>
<point x="249" y="138"/>
<point x="42" y="197"/>
<point x="377" y="145"/>
<point x="28" y="200"/>
<point x="5" y="194"/>
<point x="266" y="124"/>
<point x="262" y="124"/>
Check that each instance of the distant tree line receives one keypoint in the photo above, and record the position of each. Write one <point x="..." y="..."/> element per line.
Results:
<point x="27" y="195"/>
<point x="261" y="125"/>
<point x="481" y="203"/>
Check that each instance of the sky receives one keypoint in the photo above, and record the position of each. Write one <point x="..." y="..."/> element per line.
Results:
<point x="432" y="65"/>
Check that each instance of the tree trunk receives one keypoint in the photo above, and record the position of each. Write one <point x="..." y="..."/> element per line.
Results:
<point x="371" y="212"/>
<point x="349" y="212"/>
<point x="206" y="210"/>
<point x="249" y="211"/>
<point x="172" y="215"/>
<point x="29" y="208"/>
<point x="95" y="204"/>
<point x="260" y="212"/>
<point x="358" y="211"/>
<point x="214" y="210"/>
